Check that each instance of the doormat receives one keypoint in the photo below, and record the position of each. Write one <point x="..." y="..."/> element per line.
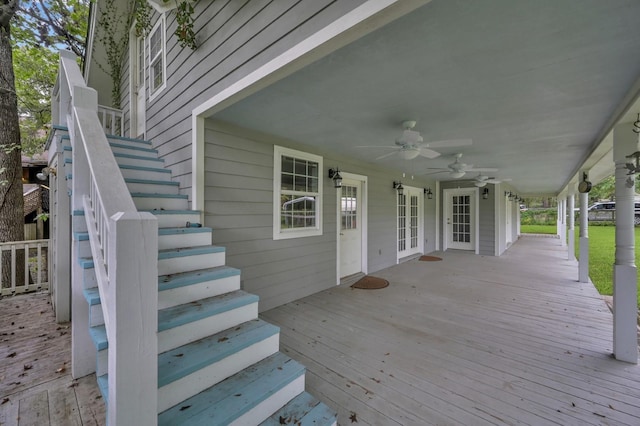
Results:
<point x="370" y="283"/>
<point x="430" y="258"/>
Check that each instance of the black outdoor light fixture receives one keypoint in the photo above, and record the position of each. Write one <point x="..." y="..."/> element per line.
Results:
<point x="337" y="179"/>
<point x="428" y="192"/>
<point x="485" y="193"/>
<point x="398" y="187"/>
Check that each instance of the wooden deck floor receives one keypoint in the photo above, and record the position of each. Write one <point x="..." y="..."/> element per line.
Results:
<point x="36" y="387"/>
<point x="469" y="340"/>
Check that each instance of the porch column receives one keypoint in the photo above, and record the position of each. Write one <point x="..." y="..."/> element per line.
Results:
<point x="583" y="262"/>
<point x="625" y="285"/>
<point x="572" y="215"/>
<point x="562" y="220"/>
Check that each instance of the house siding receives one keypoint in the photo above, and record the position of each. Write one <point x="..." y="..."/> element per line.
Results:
<point x="239" y="207"/>
<point x="234" y="38"/>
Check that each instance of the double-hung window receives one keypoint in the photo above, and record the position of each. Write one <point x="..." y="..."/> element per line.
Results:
<point x="297" y="194"/>
<point x="157" y="58"/>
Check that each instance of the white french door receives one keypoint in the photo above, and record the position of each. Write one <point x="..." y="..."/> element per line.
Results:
<point x="350" y="228"/>
<point x="410" y="223"/>
<point x="460" y="219"/>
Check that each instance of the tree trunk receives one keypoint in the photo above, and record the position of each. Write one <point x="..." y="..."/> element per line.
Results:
<point x="11" y="202"/>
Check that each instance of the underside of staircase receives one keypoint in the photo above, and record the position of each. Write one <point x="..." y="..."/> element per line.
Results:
<point x="218" y="363"/>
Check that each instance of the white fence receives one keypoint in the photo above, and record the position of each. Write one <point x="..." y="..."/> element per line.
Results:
<point x="111" y="120"/>
<point x="33" y="266"/>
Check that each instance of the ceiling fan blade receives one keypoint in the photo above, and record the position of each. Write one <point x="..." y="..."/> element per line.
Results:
<point x="449" y="143"/>
<point x="434" y="173"/>
<point x="429" y="153"/>
<point x="480" y="169"/>
<point x="377" y="146"/>
<point x="386" y="155"/>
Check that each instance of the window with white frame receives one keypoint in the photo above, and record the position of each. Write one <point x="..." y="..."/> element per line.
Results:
<point x="297" y="194"/>
<point x="157" y="58"/>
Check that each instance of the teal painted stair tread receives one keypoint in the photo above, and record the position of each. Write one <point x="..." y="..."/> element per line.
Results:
<point x="176" y="316"/>
<point x="103" y="385"/>
<point x="138" y="157"/>
<point x="99" y="337"/>
<point x="189" y="358"/>
<point x="188" y="251"/>
<point x="133" y="148"/>
<point x="124" y="138"/>
<point x="179" y="231"/>
<point x="152" y="182"/>
<point x="236" y="395"/>
<point x="151" y="195"/>
<point x="145" y="169"/>
<point x="303" y="410"/>
<point x="183" y="279"/>
<point x="92" y="295"/>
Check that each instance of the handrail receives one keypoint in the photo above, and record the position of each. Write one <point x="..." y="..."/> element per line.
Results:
<point x="124" y="247"/>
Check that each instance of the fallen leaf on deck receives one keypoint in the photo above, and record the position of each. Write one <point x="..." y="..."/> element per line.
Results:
<point x="353" y="418"/>
<point x="282" y="420"/>
<point x="611" y="406"/>
<point x="599" y="415"/>
<point x="28" y="367"/>
<point x="12" y="354"/>
<point x="223" y="339"/>
<point x="73" y="384"/>
<point x="61" y="370"/>
<point x="185" y="407"/>
<point x="178" y="355"/>
<point x="238" y="394"/>
<point x="4" y="401"/>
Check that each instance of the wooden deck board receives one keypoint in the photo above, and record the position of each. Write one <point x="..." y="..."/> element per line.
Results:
<point x="36" y="387"/>
<point x="469" y="340"/>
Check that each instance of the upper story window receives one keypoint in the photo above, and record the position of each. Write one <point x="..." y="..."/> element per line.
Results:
<point x="297" y="194"/>
<point x="157" y="58"/>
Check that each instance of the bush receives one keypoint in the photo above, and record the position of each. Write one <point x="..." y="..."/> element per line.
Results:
<point x="538" y="217"/>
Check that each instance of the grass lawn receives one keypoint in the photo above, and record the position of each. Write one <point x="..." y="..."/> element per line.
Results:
<point x="602" y="247"/>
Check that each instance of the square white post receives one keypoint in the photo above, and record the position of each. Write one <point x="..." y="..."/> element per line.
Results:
<point x="583" y="266"/>
<point x="571" y="252"/>
<point x="625" y="278"/>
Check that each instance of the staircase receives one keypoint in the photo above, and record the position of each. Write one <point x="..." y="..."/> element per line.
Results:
<point x="218" y="363"/>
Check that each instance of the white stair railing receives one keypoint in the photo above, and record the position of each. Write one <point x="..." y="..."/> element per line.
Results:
<point x="111" y="120"/>
<point x="34" y="264"/>
<point x="124" y="246"/>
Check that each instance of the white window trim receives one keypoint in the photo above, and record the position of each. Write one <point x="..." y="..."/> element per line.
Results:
<point x="163" y="32"/>
<point x="279" y="234"/>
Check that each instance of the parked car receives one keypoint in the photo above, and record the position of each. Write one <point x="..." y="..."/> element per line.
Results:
<point x="605" y="211"/>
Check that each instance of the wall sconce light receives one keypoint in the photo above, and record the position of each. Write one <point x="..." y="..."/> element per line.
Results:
<point x="636" y="125"/>
<point x="44" y="174"/>
<point x="485" y="193"/>
<point x="428" y="192"/>
<point x="337" y="179"/>
<point x="398" y="187"/>
<point x="633" y="168"/>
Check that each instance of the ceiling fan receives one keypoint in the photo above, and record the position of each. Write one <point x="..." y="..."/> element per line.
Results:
<point x="482" y="180"/>
<point x="410" y="144"/>
<point x="457" y="169"/>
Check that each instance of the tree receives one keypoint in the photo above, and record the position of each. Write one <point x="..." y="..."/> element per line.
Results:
<point x="42" y="23"/>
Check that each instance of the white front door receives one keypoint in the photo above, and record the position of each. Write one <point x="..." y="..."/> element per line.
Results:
<point x="350" y="227"/>
<point x="460" y="219"/>
<point x="410" y="223"/>
<point x="138" y="105"/>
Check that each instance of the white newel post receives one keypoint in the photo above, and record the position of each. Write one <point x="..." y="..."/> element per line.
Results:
<point x="625" y="278"/>
<point x="61" y="230"/>
<point x="133" y="344"/>
<point x="583" y="263"/>
<point x="572" y="234"/>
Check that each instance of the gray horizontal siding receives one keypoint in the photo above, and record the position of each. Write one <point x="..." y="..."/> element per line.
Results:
<point x="235" y="37"/>
<point x="239" y="207"/>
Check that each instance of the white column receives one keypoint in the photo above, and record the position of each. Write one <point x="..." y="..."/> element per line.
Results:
<point x="625" y="278"/>
<point x="572" y="235"/>
<point x="562" y="220"/>
<point x="583" y="266"/>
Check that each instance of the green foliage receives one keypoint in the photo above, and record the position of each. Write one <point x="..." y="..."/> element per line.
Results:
<point x="602" y="249"/>
<point x="184" y="19"/>
<point x="538" y="229"/>
<point x="143" y="18"/>
<point x="538" y="217"/>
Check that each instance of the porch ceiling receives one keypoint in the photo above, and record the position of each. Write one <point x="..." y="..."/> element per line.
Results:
<point x="534" y="84"/>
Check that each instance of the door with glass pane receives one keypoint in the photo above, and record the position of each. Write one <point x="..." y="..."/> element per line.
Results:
<point x="350" y="228"/>
<point x="460" y="219"/>
<point x="410" y="223"/>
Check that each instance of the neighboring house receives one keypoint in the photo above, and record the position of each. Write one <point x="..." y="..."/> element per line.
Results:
<point x="278" y="92"/>
<point x="36" y="197"/>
